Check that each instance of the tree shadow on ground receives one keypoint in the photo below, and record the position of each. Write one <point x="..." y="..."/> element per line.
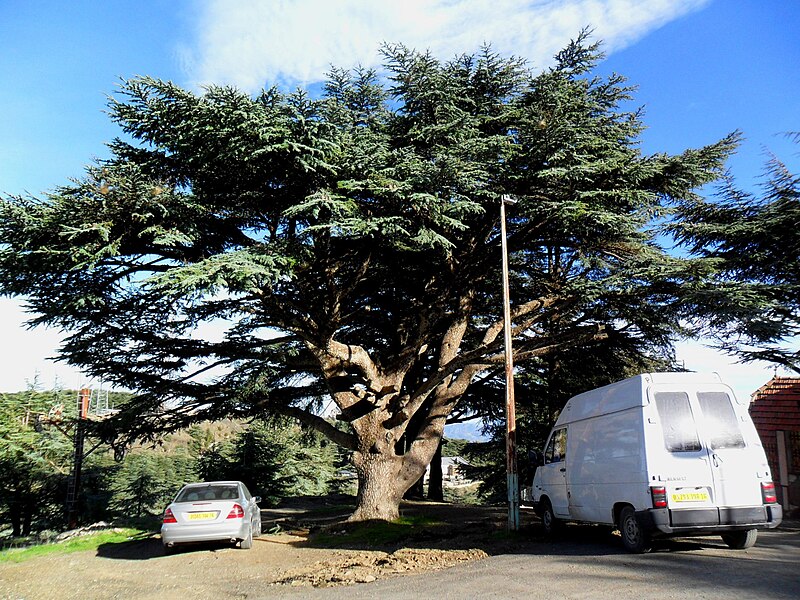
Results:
<point x="143" y="549"/>
<point x="441" y="526"/>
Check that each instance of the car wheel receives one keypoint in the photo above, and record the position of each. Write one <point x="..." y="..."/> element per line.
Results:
<point x="740" y="540"/>
<point x="634" y="537"/>
<point x="550" y="523"/>
<point x="247" y="542"/>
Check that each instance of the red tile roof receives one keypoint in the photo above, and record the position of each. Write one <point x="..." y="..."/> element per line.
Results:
<point x="776" y="405"/>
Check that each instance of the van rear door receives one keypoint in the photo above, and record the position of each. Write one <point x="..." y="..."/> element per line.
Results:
<point x="682" y="463"/>
<point x="734" y="466"/>
<point x="708" y="463"/>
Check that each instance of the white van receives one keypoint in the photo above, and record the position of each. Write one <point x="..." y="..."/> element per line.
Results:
<point x="660" y="454"/>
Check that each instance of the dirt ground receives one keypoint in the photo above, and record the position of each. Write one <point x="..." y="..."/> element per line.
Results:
<point x="304" y="544"/>
<point x="308" y="546"/>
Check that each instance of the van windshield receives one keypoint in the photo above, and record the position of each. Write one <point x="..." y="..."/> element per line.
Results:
<point x="557" y="448"/>
<point x="677" y="422"/>
<point x="721" y="422"/>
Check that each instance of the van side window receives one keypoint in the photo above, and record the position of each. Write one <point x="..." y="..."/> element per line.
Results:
<point x="677" y="422"/>
<point x="720" y="418"/>
<point x="557" y="448"/>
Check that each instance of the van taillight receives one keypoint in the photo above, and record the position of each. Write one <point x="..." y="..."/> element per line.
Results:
<point x="768" y="492"/>
<point x="169" y="517"/>
<point x="659" y="497"/>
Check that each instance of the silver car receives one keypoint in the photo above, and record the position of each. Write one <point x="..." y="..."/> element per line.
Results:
<point x="212" y="511"/>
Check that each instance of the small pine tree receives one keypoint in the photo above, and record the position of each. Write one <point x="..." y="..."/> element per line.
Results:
<point x="274" y="459"/>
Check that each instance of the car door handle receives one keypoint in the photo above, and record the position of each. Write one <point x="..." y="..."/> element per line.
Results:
<point x="563" y="469"/>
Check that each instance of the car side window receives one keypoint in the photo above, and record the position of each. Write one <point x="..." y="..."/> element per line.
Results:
<point x="557" y="447"/>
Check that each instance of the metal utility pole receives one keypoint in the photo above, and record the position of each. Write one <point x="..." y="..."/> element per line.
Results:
<point x="512" y="476"/>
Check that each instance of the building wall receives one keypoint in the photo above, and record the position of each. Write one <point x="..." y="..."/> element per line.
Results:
<point x="775" y="407"/>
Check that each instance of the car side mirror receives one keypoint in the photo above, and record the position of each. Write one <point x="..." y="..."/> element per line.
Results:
<point x="256" y="499"/>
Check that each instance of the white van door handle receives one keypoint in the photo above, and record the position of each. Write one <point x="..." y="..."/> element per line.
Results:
<point x="563" y="469"/>
<point x="716" y="459"/>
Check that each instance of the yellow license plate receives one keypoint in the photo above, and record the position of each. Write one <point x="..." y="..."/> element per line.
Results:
<point x="690" y="497"/>
<point x="202" y="516"/>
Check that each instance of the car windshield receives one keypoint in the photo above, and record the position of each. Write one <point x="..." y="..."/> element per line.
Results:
<point x="208" y="492"/>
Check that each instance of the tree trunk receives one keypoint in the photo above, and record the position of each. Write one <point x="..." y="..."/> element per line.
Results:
<point x="416" y="491"/>
<point x="380" y="488"/>
<point x="435" y="489"/>
<point x="27" y="518"/>
<point x="16" y="518"/>
<point x="383" y="476"/>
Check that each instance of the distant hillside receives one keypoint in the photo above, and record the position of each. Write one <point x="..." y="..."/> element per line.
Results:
<point x="469" y="430"/>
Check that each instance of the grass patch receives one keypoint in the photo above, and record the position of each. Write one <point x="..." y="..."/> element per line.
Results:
<point x="376" y="533"/>
<point x="76" y="544"/>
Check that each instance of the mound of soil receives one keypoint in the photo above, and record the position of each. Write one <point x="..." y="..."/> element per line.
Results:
<point x="447" y="535"/>
<point x="363" y="567"/>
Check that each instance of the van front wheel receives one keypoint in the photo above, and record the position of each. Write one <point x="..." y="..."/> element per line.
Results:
<point x="549" y="521"/>
<point x="739" y="540"/>
<point x="634" y="537"/>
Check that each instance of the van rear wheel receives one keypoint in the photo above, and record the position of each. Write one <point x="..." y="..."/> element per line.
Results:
<point x="740" y="540"/>
<point x="634" y="537"/>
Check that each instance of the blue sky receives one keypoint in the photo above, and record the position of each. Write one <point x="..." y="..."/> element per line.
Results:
<point x="703" y="68"/>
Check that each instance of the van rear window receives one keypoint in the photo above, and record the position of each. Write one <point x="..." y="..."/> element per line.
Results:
<point x="721" y="421"/>
<point x="677" y="422"/>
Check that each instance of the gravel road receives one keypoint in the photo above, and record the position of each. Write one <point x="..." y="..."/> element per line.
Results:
<point x="585" y="566"/>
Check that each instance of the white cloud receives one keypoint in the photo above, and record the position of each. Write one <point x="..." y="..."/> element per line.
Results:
<point x="258" y="43"/>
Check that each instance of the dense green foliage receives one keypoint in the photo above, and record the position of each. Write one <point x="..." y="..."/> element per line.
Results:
<point x="147" y="480"/>
<point x="274" y="460"/>
<point x="750" y="247"/>
<point x="36" y="454"/>
<point x="352" y="244"/>
<point x="34" y="460"/>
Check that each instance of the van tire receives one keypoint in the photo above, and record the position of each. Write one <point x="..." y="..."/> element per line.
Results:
<point x="634" y="537"/>
<point x="740" y="540"/>
<point x="550" y="523"/>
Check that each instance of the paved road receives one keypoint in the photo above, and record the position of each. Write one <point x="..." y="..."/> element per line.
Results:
<point x="590" y="563"/>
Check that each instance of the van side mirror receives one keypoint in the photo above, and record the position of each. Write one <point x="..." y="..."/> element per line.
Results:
<point x="536" y="458"/>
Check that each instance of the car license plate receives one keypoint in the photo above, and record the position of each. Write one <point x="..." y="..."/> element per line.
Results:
<point x="202" y="516"/>
<point x="690" y="497"/>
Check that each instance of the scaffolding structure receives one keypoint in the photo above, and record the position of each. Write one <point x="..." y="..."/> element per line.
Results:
<point x="90" y="404"/>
